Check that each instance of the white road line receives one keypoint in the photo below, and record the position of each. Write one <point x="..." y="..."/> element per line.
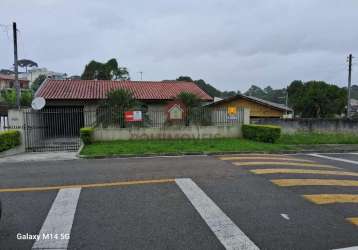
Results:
<point x="285" y="216"/>
<point x="334" y="158"/>
<point x="222" y="226"/>
<point x="347" y="248"/>
<point x="58" y="223"/>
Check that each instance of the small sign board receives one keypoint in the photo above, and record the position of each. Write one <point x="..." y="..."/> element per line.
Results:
<point x="232" y="113"/>
<point x="231" y="110"/>
<point x="175" y="112"/>
<point x="133" y="116"/>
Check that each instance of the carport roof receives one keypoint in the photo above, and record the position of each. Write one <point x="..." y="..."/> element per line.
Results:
<point x="98" y="89"/>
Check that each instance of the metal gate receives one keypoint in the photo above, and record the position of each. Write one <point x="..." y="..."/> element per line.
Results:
<point x="53" y="129"/>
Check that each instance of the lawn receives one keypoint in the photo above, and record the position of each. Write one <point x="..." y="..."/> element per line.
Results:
<point x="316" y="138"/>
<point x="294" y="142"/>
<point x="179" y="147"/>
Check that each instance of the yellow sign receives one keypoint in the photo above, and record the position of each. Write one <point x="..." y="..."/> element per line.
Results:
<point x="231" y="110"/>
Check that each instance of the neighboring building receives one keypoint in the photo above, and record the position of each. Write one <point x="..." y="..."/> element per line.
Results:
<point x="33" y="73"/>
<point x="8" y="81"/>
<point x="354" y="105"/>
<point x="258" y="108"/>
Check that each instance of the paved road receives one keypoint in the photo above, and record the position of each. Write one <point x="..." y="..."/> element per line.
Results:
<point x="193" y="202"/>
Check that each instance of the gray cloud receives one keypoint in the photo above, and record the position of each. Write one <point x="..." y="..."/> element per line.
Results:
<point x="231" y="44"/>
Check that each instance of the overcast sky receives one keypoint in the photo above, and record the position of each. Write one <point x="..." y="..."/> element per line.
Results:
<point x="228" y="43"/>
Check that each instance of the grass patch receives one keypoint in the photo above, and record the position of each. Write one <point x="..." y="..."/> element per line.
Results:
<point x="179" y="147"/>
<point x="286" y="142"/>
<point x="316" y="138"/>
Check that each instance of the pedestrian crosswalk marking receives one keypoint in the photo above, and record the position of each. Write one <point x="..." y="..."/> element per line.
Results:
<point x="314" y="182"/>
<point x="238" y="158"/>
<point x="301" y="171"/>
<point x="284" y="164"/>
<point x="353" y="220"/>
<point x="56" y="230"/>
<point x="322" y="199"/>
<point x="228" y="233"/>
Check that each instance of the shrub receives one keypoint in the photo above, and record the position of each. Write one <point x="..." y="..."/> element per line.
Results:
<point x="86" y="135"/>
<point x="9" y="139"/>
<point x="262" y="133"/>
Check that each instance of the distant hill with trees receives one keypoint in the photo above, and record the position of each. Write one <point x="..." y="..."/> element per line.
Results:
<point x="208" y="88"/>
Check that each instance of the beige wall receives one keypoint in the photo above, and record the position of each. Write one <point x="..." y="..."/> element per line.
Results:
<point x="193" y="132"/>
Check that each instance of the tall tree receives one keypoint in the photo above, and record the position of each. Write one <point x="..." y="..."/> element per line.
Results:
<point x="105" y="71"/>
<point x="209" y="89"/>
<point x="185" y="79"/>
<point x="316" y="99"/>
<point x="37" y="83"/>
<point x="256" y="91"/>
<point x="25" y="63"/>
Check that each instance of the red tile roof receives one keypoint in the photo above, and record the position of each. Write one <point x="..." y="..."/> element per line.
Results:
<point x="97" y="89"/>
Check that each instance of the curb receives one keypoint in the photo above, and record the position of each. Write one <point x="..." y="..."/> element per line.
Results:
<point x="303" y="151"/>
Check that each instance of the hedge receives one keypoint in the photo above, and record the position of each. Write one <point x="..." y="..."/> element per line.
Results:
<point x="9" y="139"/>
<point x="261" y="133"/>
<point x="86" y="135"/>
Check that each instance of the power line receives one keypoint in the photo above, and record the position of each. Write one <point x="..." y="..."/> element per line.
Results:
<point x="6" y="29"/>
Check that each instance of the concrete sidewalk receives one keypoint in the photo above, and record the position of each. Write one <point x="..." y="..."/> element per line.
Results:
<point x="43" y="156"/>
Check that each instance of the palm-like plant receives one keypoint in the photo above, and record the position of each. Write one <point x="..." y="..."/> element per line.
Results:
<point x="190" y="101"/>
<point x="121" y="100"/>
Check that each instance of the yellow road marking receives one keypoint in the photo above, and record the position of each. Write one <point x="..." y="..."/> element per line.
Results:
<point x="300" y="164"/>
<point x="262" y="158"/>
<point x="332" y="198"/>
<point x="93" y="185"/>
<point x="314" y="182"/>
<point x="353" y="220"/>
<point x="301" y="171"/>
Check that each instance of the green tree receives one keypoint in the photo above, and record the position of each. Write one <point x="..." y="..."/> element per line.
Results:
<point x="226" y="94"/>
<point x="37" y="83"/>
<point x="185" y="79"/>
<point x="209" y="89"/>
<point x="316" y="99"/>
<point x="9" y="97"/>
<point x="120" y="100"/>
<point x="105" y="71"/>
<point x="191" y="101"/>
<point x="256" y="91"/>
<point x="25" y="63"/>
<point x="26" y="98"/>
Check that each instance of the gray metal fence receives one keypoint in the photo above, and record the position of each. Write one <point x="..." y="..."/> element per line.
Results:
<point x="203" y="116"/>
<point x="53" y="129"/>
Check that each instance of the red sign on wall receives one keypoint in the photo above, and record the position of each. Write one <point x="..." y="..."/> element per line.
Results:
<point x="133" y="116"/>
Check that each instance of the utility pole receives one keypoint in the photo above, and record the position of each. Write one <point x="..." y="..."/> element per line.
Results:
<point x="141" y="75"/>
<point x="349" y="85"/>
<point x="286" y="101"/>
<point x="17" y="84"/>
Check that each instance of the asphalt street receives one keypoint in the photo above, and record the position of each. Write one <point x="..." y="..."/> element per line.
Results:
<point x="192" y="202"/>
